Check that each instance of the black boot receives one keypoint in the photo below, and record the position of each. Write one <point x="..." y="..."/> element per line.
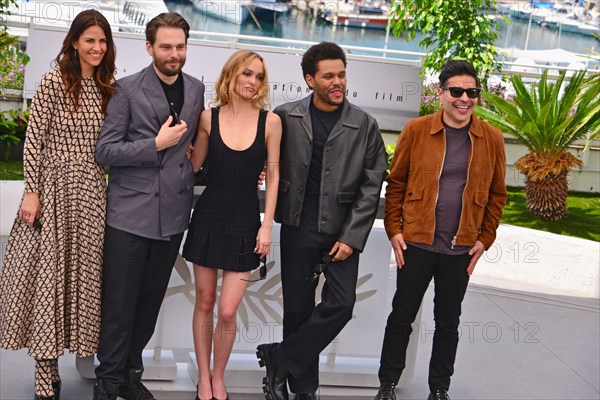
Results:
<point x="386" y="391"/>
<point x="275" y="383"/>
<point x="439" y="394"/>
<point x="36" y="397"/>
<point x="56" y="385"/>
<point x="306" y="396"/>
<point x="100" y="392"/>
<point x="134" y="389"/>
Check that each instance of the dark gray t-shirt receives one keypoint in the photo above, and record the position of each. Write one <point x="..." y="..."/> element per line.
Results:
<point x="451" y="186"/>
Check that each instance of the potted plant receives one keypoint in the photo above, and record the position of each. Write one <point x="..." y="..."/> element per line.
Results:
<point x="13" y="125"/>
<point x="547" y="120"/>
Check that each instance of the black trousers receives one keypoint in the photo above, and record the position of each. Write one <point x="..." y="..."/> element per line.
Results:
<point x="135" y="278"/>
<point x="308" y="329"/>
<point x="450" y="278"/>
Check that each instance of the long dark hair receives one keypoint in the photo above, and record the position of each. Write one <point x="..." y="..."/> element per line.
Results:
<point x="68" y="60"/>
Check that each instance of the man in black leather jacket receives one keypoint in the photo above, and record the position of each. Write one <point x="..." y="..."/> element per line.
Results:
<point x="332" y="166"/>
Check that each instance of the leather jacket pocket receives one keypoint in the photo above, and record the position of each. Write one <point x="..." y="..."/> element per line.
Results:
<point x="346" y="197"/>
<point x="413" y="204"/>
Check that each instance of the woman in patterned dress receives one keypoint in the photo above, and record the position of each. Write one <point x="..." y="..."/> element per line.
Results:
<point x="50" y="283"/>
<point x="226" y="232"/>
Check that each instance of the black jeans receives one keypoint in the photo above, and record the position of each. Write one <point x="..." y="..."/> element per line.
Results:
<point x="450" y="279"/>
<point x="135" y="278"/>
<point x="308" y="329"/>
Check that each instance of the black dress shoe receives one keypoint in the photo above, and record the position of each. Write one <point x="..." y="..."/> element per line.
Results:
<point x="439" y="394"/>
<point x="56" y="385"/>
<point x="306" y="396"/>
<point x="274" y="384"/>
<point x="386" y="391"/>
<point x="36" y="397"/>
<point x="134" y="389"/>
<point x="100" y="392"/>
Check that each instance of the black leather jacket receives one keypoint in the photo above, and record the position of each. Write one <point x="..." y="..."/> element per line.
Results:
<point x="354" y="164"/>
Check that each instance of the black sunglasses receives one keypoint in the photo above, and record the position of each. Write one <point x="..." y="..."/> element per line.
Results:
<point x="457" y="92"/>
<point x="176" y="120"/>
<point x="319" y="268"/>
<point x="262" y="271"/>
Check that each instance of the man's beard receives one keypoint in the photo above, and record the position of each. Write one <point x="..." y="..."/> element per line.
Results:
<point x="161" y="66"/>
<point x="324" y="97"/>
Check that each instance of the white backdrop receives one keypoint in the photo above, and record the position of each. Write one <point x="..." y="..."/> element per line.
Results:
<point x="390" y="91"/>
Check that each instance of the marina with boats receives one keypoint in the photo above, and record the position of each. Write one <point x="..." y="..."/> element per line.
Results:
<point x="569" y="16"/>
<point x="285" y="23"/>
<point x="576" y="16"/>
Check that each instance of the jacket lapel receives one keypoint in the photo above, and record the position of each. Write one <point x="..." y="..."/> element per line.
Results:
<point x="302" y="110"/>
<point x="188" y="101"/>
<point x="156" y="95"/>
<point x="347" y="121"/>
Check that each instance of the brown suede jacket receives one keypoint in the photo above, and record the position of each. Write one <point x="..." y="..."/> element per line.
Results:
<point x="412" y="190"/>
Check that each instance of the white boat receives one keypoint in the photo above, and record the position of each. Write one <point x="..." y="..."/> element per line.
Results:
<point x="372" y="21"/>
<point x="571" y="24"/>
<point x="138" y="13"/>
<point x="326" y="9"/>
<point x="366" y="14"/>
<point x="237" y="11"/>
<point x="234" y="11"/>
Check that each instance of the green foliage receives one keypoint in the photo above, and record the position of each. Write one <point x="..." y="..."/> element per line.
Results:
<point x="12" y="68"/>
<point x="583" y="208"/>
<point x="430" y="100"/>
<point x="6" y="40"/>
<point x="12" y="60"/>
<point x="389" y="150"/>
<point x="544" y="119"/>
<point x="13" y="125"/>
<point x="452" y="29"/>
<point x="11" y="170"/>
<point x="5" y="5"/>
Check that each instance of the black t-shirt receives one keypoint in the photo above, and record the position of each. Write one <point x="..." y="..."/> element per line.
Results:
<point x="322" y="125"/>
<point x="174" y="94"/>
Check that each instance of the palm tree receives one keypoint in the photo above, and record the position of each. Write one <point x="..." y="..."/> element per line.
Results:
<point x="548" y="123"/>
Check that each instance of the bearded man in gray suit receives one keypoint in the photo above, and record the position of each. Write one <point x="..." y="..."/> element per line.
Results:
<point x="149" y="126"/>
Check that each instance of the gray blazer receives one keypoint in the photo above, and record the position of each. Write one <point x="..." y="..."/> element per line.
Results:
<point x="149" y="193"/>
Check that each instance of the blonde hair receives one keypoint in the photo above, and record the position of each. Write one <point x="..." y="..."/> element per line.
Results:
<point x="234" y="66"/>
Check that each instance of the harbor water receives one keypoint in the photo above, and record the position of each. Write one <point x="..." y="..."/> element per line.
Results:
<point x="296" y="25"/>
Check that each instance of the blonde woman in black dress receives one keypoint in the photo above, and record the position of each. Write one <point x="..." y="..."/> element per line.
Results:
<point x="50" y="285"/>
<point x="226" y="233"/>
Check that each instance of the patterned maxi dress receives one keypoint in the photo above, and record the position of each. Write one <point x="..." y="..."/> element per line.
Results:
<point x="50" y="285"/>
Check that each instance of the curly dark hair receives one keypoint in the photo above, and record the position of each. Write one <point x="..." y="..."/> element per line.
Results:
<point x="457" y="67"/>
<point x="68" y="60"/>
<point x="318" y="52"/>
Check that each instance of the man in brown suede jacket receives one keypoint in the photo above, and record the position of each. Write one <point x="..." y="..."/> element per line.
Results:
<point x="444" y="201"/>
